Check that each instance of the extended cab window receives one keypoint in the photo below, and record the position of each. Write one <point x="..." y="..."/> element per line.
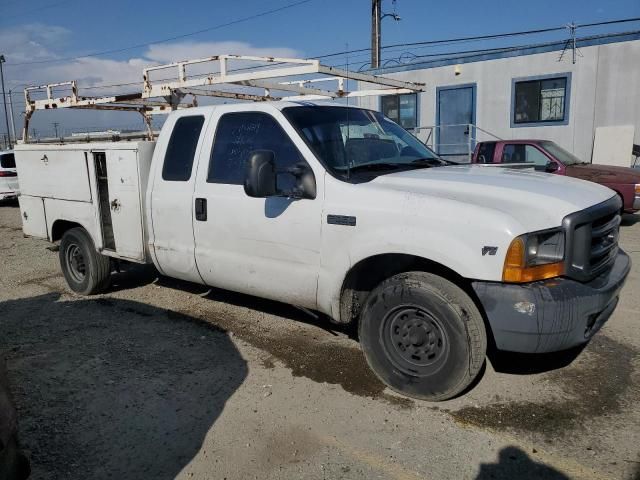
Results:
<point x="239" y="134"/>
<point x="522" y="153"/>
<point x="178" y="161"/>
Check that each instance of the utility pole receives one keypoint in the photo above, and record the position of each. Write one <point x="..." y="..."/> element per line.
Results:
<point x="4" y="99"/>
<point x="55" y="126"/>
<point x="376" y="20"/>
<point x="376" y="29"/>
<point x="13" y="119"/>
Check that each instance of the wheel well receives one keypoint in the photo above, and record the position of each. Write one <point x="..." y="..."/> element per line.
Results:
<point x="370" y="272"/>
<point x="365" y="275"/>
<point x="61" y="226"/>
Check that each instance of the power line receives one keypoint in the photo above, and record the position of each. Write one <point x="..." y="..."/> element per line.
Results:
<point x="168" y="39"/>
<point x="471" y="53"/>
<point x="422" y="45"/>
<point x="484" y="37"/>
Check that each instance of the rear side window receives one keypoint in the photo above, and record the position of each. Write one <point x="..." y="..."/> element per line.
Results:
<point x="239" y="134"/>
<point x="485" y="152"/>
<point x="7" y="161"/>
<point x="178" y="161"/>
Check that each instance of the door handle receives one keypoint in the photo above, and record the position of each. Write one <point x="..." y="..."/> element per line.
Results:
<point x="201" y="209"/>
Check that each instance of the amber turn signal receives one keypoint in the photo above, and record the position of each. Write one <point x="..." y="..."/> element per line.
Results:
<point x="516" y="271"/>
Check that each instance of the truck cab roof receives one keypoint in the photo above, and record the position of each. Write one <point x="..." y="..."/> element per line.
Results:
<point x="276" y="104"/>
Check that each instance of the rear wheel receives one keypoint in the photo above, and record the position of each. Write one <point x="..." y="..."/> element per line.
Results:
<point x="85" y="270"/>
<point x="423" y="336"/>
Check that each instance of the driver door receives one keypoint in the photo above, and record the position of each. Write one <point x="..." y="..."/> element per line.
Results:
<point x="269" y="247"/>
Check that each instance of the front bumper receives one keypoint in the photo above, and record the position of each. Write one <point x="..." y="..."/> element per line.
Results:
<point x="5" y="195"/>
<point x="551" y="315"/>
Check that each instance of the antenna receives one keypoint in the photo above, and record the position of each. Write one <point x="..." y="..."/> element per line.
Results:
<point x="571" y="43"/>
<point x="348" y="122"/>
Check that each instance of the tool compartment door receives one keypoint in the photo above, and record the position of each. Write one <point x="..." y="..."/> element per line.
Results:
<point x="125" y="202"/>
<point x="34" y="222"/>
<point x="60" y="174"/>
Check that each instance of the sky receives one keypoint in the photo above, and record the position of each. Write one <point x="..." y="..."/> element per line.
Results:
<point x="58" y="33"/>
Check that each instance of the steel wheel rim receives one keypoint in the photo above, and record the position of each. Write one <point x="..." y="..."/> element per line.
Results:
<point x="414" y="340"/>
<point x="76" y="264"/>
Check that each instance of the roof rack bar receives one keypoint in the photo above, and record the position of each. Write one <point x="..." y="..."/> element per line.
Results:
<point x="266" y="73"/>
<point x="231" y="95"/>
<point x="376" y="79"/>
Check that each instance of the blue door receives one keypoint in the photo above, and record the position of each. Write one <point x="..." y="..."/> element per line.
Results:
<point x="456" y="111"/>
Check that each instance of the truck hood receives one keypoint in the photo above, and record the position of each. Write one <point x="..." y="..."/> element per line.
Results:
<point x="535" y="200"/>
<point x="603" y="173"/>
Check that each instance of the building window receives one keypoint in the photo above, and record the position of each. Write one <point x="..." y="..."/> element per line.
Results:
<point x="402" y="109"/>
<point x="541" y="100"/>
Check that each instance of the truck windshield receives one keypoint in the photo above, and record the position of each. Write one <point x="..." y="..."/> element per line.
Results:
<point x="564" y="157"/>
<point x="353" y="140"/>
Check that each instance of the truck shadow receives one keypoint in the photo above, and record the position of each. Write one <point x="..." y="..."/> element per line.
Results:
<point x="515" y="463"/>
<point x="139" y="275"/>
<point x="9" y="202"/>
<point x="502" y="362"/>
<point x="630" y="219"/>
<point x="531" y="363"/>
<point x="110" y="388"/>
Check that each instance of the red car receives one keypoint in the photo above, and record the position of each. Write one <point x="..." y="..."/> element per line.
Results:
<point x="547" y="156"/>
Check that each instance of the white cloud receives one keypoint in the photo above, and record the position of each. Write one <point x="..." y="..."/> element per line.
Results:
<point x="36" y="42"/>
<point x="172" y="52"/>
<point x="33" y="42"/>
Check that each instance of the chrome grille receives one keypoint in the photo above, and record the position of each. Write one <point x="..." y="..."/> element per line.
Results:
<point x="604" y="242"/>
<point x="592" y="239"/>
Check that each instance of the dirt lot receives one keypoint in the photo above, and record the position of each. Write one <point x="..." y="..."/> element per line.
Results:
<point x="162" y="379"/>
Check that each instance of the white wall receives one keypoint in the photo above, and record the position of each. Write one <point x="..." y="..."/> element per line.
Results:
<point x="605" y="91"/>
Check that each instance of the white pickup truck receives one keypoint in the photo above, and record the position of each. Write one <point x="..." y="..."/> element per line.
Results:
<point x="340" y="210"/>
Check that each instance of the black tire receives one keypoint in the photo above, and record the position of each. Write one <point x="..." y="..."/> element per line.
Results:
<point x="423" y="336"/>
<point x="85" y="270"/>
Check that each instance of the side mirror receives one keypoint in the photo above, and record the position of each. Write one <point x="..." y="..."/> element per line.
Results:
<point x="305" y="182"/>
<point x="260" y="175"/>
<point x="551" y="167"/>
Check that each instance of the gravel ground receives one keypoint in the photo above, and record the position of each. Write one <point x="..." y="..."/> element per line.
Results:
<point x="164" y="379"/>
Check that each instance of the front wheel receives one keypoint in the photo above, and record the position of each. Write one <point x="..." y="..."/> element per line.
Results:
<point x="85" y="270"/>
<point x="423" y="336"/>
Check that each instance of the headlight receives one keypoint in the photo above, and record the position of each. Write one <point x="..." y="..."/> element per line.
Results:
<point x="637" y="189"/>
<point x="534" y="256"/>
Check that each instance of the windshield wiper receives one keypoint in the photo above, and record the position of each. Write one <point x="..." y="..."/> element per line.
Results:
<point x="429" y="162"/>
<point x="376" y="166"/>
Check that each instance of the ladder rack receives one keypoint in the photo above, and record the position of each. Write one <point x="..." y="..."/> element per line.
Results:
<point x="236" y="77"/>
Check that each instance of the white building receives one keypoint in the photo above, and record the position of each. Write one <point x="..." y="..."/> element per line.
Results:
<point x="517" y="93"/>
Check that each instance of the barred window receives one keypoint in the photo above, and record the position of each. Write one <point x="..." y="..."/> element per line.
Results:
<point x="537" y="101"/>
